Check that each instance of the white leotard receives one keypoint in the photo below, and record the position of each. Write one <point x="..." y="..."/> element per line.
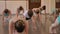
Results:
<point x="6" y="19"/>
<point x="26" y="14"/>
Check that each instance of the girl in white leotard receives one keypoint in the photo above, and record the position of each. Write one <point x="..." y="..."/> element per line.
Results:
<point x="6" y="18"/>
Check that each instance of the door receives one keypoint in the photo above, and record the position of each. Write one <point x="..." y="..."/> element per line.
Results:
<point x="34" y="3"/>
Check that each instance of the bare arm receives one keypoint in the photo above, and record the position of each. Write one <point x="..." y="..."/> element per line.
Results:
<point x="40" y="17"/>
<point x="10" y="28"/>
<point x="34" y="20"/>
<point x="26" y="27"/>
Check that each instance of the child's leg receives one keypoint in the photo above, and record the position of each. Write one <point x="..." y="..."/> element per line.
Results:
<point x="26" y="27"/>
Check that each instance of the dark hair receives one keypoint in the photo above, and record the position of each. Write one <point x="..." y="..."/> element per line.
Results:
<point x="20" y="8"/>
<point x="30" y="13"/>
<point x="6" y="11"/>
<point x="19" y="26"/>
<point x="44" y="7"/>
<point x="57" y="12"/>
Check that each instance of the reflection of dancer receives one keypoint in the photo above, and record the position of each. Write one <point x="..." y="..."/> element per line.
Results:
<point x="6" y="18"/>
<point x="37" y="20"/>
<point x="40" y="10"/>
<point x="18" y="24"/>
<point x="53" y="27"/>
<point x="38" y="17"/>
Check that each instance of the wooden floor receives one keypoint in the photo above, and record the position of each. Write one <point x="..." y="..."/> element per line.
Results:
<point x="42" y="27"/>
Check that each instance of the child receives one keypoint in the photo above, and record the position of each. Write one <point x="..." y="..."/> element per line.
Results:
<point x="6" y="17"/>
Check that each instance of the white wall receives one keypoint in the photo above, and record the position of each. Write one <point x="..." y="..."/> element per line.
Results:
<point x="43" y="2"/>
<point x="13" y="5"/>
<point x="2" y="6"/>
<point x="50" y="4"/>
